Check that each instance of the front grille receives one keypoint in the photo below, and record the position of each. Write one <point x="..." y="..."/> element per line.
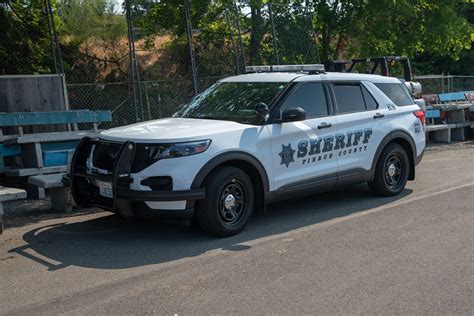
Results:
<point x="104" y="155"/>
<point x="141" y="160"/>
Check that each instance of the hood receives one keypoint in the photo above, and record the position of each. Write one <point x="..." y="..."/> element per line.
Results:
<point x="170" y="130"/>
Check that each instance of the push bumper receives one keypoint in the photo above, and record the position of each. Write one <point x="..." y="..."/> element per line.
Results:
<point x="124" y="199"/>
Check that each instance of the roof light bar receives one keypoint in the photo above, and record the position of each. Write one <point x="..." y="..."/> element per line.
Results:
<point x="287" y="68"/>
<point x="258" y="68"/>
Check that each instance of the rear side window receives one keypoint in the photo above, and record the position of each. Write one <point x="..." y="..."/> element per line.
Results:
<point x="397" y="92"/>
<point x="370" y="102"/>
<point x="309" y="96"/>
<point x="349" y="97"/>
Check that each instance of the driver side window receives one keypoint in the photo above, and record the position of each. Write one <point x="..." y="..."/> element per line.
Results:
<point x="309" y="96"/>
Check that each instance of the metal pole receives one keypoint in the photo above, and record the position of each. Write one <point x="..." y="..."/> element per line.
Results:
<point x="51" y="37"/>
<point x="132" y="55"/>
<point x="315" y="38"/>
<point x="237" y="65"/>
<point x="190" y="43"/>
<point x="241" y="43"/>
<point x="56" y="37"/>
<point x="137" y="93"/>
<point x="275" y="47"/>
<point x="147" y="100"/>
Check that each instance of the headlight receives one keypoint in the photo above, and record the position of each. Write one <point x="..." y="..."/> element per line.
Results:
<point x="166" y="151"/>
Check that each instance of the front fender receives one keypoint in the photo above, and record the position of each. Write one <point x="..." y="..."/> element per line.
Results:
<point x="231" y="156"/>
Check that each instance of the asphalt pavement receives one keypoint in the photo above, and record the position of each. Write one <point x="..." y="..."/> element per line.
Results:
<point x="338" y="252"/>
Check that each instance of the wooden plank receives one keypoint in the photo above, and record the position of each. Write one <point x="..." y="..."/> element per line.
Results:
<point x="470" y="96"/>
<point x="60" y="145"/>
<point x="435" y="113"/>
<point x="465" y="124"/>
<point x="32" y="93"/>
<point x="47" y="181"/>
<point x="431" y="128"/>
<point x="452" y="96"/>
<point x="430" y="98"/>
<point x="9" y="151"/>
<point x="56" y="158"/>
<point x="6" y="137"/>
<point x="11" y="194"/>
<point x="25" y="172"/>
<point x="51" y="137"/>
<point x="31" y="156"/>
<point x="54" y="118"/>
<point x="450" y="107"/>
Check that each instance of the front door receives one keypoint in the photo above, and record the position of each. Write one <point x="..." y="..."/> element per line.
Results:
<point x="302" y="151"/>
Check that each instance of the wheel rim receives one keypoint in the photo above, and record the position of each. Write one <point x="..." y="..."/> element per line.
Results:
<point x="394" y="171"/>
<point x="232" y="202"/>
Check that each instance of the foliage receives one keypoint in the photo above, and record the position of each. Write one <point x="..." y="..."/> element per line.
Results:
<point x="408" y="27"/>
<point x="24" y="38"/>
<point x="92" y="35"/>
<point x="435" y="34"/>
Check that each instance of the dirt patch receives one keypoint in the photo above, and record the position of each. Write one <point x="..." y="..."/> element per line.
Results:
<point x="436" y="147"/>
<point x="24" y="212"/>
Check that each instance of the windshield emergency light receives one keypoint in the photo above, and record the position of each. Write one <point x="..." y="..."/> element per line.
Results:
<point x="312" y="68"/>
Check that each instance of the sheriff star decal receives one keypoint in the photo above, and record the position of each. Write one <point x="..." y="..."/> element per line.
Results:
<point x="287" y="153"/>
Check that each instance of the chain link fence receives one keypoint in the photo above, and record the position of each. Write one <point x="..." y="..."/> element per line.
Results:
<point x="143" y="71"/>
<point x="442" y="84"/>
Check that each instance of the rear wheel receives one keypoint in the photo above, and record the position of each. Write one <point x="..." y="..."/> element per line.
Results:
<point x="391" y="172"/>
<point x="229" y="202"/>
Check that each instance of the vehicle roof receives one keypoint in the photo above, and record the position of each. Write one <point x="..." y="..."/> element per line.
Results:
<point x="264" y="77"/>
<point x="299" y="77"/>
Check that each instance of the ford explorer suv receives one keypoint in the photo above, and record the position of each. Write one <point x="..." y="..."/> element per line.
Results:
<point x="273" y="133"/>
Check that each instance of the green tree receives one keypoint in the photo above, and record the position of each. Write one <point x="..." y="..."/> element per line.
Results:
<point x="412" y="27"/>
<point x="24" y="38"/>
<point x="93" y="36"/>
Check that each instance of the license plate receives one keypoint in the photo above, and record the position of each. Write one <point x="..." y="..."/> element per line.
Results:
<point x="105" y="189"/>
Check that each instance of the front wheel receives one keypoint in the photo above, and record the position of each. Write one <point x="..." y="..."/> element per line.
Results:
<point x="391" y="172"/>
<point x="229" y="202"/>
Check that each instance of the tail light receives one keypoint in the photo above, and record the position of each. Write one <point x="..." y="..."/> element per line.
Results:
<point x="421" y="116"/>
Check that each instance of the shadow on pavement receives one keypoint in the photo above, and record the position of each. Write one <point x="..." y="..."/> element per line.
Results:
<point x="109" y="242"/>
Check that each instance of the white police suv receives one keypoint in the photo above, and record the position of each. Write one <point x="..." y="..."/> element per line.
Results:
<point x="273" y="133"/>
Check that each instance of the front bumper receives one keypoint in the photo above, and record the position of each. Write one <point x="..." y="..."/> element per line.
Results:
<point x="86" y="193"/>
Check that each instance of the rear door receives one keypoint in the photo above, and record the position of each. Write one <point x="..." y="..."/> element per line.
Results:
<point x="301" y="150"/>
<point x="361" y="126"/>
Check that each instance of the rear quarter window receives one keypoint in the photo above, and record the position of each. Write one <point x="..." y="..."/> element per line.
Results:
<point x="397" y="92"/>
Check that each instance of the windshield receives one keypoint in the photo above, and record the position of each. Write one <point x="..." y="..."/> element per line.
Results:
<point x="232" y="101"/>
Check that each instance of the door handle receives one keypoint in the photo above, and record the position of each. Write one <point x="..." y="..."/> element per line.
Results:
<point x="378" y="115"/>
<point x="324" y="125"/>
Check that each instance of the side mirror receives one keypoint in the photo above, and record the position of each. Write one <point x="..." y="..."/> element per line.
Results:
<point x="262" y="110"/>
<point x="293" y="115"/>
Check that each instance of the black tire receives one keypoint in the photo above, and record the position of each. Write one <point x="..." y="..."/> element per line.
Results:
<point x="391" y="172"/>
<point x="216" y="217"/>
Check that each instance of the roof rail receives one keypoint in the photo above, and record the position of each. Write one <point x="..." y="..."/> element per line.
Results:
<point x="311" y="68"/>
